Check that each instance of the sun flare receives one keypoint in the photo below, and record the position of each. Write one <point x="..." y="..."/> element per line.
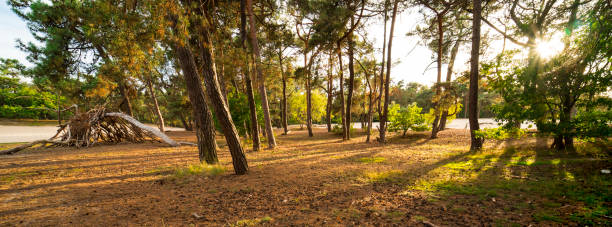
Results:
<point x="549" y="48"/>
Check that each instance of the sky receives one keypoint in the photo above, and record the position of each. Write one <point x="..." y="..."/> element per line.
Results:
<point x="414" y="59"/>
<point x="12" y="28"/>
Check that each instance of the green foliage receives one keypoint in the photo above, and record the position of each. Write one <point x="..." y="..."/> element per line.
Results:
<point x="404" y="119"/>
<point x="550" y="91"/>
<point x="253" y="222"/>
<point x="18" y="100"/>
<point x="199" y="169"/>
<point x="297" y="107"/>
<point x="501" y="133"/>
<point x="239" y="108"/>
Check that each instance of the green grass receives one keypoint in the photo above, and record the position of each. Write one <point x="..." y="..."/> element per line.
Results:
<point x="4" y="146"/>
<point x="253" y="222"/>
<point x="198" y="169"/>
<point x="548" y="183"/>
<point x="372" y="160"/>
<point x="15" y="176"/>
<point x="391" y="176"/>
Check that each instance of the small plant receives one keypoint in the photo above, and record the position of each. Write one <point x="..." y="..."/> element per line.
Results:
<point x="253" y="222"/>
<point x="404" y="119"/>
<point x="392" y="176"/>
<point x="199" y="169"/>
<point x="501" y="133"/>
<point x="372" y="160"/>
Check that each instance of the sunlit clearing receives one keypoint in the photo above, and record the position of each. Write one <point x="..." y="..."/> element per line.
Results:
<point x="549" y="48"/>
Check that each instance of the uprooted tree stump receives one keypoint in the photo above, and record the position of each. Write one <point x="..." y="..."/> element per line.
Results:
<point x="99" y="126"/>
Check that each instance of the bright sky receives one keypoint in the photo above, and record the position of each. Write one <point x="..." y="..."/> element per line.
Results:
<point x="412" y="66"/>
<point x="11" y="29"/>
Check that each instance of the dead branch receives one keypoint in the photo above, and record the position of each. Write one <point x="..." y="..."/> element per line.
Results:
<point x="96" y="126"/>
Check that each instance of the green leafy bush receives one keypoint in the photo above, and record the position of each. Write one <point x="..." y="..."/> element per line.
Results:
<point x="404" y="119"/>
<point x="501" y="133"/>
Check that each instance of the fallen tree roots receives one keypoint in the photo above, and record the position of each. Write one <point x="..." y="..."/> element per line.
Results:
<point x="96" y="126"/>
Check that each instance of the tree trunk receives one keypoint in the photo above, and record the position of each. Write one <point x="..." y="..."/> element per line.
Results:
<point x="370" y="105"/>
<point x="449" y="74"/>
<point x="126" y="99"/>
<point x="351" y="82"/>
<point x="160" y="117"/>
<point x="207" y="146"/>
<point x="186" y="125"/>
<point x="254" y="127"/>
<point x="382" y="68"/>
<point x="261" y="76"/>
<point x="222" y="77"/>
<point x="383" y="121"/>
<point x="476" y="143"/>
<point x="221" y="109"/>
<point x="330" y="92"/>
<point x="59" y="111"/>
<point x="436" y="104"/>
<point x="252" y="108"/>
<point x="342" y="104"/>
<point x="308" y="98"/>
<point x="284" y="101"/>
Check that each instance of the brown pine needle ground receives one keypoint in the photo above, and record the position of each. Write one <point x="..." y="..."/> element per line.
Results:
<point x="309" y="181"/>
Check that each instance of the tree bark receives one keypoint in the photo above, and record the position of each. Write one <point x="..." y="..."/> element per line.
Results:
<point x="449" y="73"/>
<point x="207" y="146"/>
<point x="186" y="125"/>
<point x="126" y="99"/>
<point x="262" y="79"/>
<point x="330" y="92"/>
<point x="221" y="109"/>
<point x="308" y="97"/>
<point x="383" y="121"/>
<point x="254" y="127"/>
<point x="284" y="101"/>
<point x="476" y="143"/>
<point x="252" y="107"/>
<point x="160" y="117"/>
<point x="370" y="105"/>
<point x="351" y="82"/>
<point x="436" y="104"/>
<point x="342" y="104"/>
<point x="222" y="77"/>
<point x="382" y="69"/>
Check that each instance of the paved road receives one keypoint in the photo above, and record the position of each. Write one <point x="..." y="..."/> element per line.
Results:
<point x="459" y="123"/>
<point x="14" y="134"/>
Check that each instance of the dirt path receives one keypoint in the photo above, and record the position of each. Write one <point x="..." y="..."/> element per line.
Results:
<point x="320" y="181"/>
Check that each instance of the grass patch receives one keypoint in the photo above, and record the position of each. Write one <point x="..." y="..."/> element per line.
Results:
<point x="253" y="222"/>
<point x="15" y="176"/>
<point x="372" y="160"/>
<point x="198" y="169"/>
<point x="4" y="146"/>
<point x="391" y="176"/>
<point x="546" y="216"/>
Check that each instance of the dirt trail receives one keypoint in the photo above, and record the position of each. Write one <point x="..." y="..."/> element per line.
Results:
<point x="305" y="181"/>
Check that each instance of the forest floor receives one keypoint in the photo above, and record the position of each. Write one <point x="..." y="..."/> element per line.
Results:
<point x="319" y="181"/>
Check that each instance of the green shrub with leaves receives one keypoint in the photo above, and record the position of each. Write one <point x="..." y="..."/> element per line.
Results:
<point x="501" y="133"/>
<point x="409" y="118"/>
<point x="18" y="100"/>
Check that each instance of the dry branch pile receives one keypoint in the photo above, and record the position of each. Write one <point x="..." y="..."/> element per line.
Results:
<point x="99" y="126"/>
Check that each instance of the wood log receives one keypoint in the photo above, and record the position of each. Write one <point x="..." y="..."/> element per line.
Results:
<point x="149" y="129"/>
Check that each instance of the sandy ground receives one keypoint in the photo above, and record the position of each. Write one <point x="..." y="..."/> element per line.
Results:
<point x="305" y="181"/>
